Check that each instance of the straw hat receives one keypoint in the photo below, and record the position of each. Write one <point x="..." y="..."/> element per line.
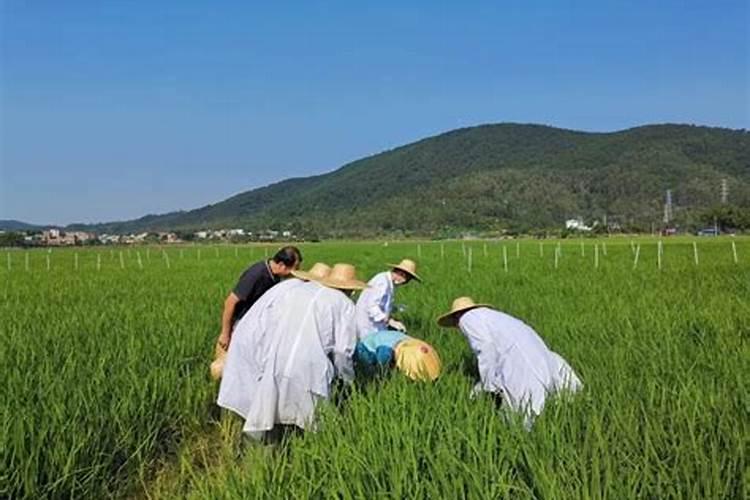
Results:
<point x="316" y="273"/>
<point x="418" y="360"/>
<point x="217" y="367"/>
<point x="459" y="305"/>
<point x="408" y="266"/>
<point x="343" y="277"/>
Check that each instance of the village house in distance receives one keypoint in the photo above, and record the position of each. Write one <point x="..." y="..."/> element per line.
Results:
<point x="60" y="238"/>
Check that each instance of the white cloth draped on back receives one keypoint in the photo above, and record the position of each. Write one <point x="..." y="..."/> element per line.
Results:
<point x="244" y="363"/>
<point x="514" y="361"/>
<point x="375" y="304"/>
<point x="307" y="338"/>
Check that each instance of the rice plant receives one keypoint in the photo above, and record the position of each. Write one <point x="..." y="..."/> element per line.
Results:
<point x="108" y="394"/>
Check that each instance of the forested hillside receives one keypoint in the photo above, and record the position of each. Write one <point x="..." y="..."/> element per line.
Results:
<point x="494" y="178"/>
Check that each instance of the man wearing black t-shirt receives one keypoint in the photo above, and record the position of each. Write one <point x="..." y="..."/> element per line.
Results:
<point x="252" y="284"/>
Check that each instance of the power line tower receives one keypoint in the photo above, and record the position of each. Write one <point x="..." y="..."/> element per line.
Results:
<point x="668" y="208"/>
<point x="724" y="191"/>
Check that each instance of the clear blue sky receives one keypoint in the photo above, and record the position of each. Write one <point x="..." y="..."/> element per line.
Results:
<point x="114" y="109"/>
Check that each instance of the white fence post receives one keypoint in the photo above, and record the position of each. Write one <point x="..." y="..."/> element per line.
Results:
<point x="659" y="251"/>
<point x="557" y="255"/>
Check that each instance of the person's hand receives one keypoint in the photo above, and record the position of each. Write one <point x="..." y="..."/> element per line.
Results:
<point x="224" y="340"/>
<point x="396" y="325"/>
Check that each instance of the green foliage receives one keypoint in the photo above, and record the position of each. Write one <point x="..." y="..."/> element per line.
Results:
<point x="492" y="178"/>
<point x="11" y="239"/>
<point x="727" y="217"/>
<point x="106" y="376"/>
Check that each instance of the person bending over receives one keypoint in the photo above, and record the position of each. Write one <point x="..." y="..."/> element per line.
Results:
<point x="253" y="283"/>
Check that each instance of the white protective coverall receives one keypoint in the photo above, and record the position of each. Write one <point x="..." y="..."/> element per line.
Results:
<point x="514" y="361"/>
<point x="375" y="304"/>
<point x="304" y="327"/>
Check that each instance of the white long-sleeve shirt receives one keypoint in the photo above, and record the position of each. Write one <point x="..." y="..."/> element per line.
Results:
<point x="310" y="339"/>
<point x="514" y="361"/>
<point x="375" y="304"/>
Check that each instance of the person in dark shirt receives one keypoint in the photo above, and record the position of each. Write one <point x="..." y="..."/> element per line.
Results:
<point x="252" y="284"/>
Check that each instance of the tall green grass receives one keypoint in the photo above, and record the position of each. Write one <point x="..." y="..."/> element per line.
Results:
<point x="107" y="380"/>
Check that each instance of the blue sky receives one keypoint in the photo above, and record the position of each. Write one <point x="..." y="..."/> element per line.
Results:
<point x="114" y="109"/>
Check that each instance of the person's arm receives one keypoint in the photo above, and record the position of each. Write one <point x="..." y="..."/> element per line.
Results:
<point x="226" y="320"/>
<point x="242" y="291"/>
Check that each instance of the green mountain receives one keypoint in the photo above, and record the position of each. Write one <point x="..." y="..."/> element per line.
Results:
<point x="492" y="178"/>
<point x="17" y="225"/>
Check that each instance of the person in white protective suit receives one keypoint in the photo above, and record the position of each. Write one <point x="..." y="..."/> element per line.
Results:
<point x="239" y="366"/>
<point x="514" y="362"/>
<point x="376" y="302"/>
<point x="308" y="339"/>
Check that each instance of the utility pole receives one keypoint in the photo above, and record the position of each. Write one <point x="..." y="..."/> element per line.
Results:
<point x="668" y="208"/>
<point x="724" y="191"/>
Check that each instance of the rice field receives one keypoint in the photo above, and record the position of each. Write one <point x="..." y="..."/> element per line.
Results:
<point x="105" y="353"/>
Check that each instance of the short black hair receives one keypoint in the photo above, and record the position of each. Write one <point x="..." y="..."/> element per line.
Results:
<point x="289" y="256"/>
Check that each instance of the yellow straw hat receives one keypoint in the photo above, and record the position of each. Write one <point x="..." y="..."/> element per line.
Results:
<point x="408" y="266"/>
<point x="343" y="277"/>
<point x="217" y="367"/>
<point x="317" y="272"/>
<point x="459" y="305"/>
<point x="418" y="360"/>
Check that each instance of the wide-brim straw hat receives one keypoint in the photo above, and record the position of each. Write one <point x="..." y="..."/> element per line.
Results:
<point x="317" y="272"/>
<point x="408" y="266"/>
<point x="418" y="360"/>
<point x="461" y="304"/>
<point x="217" y="367"/>
<point x="343" y="277"/>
